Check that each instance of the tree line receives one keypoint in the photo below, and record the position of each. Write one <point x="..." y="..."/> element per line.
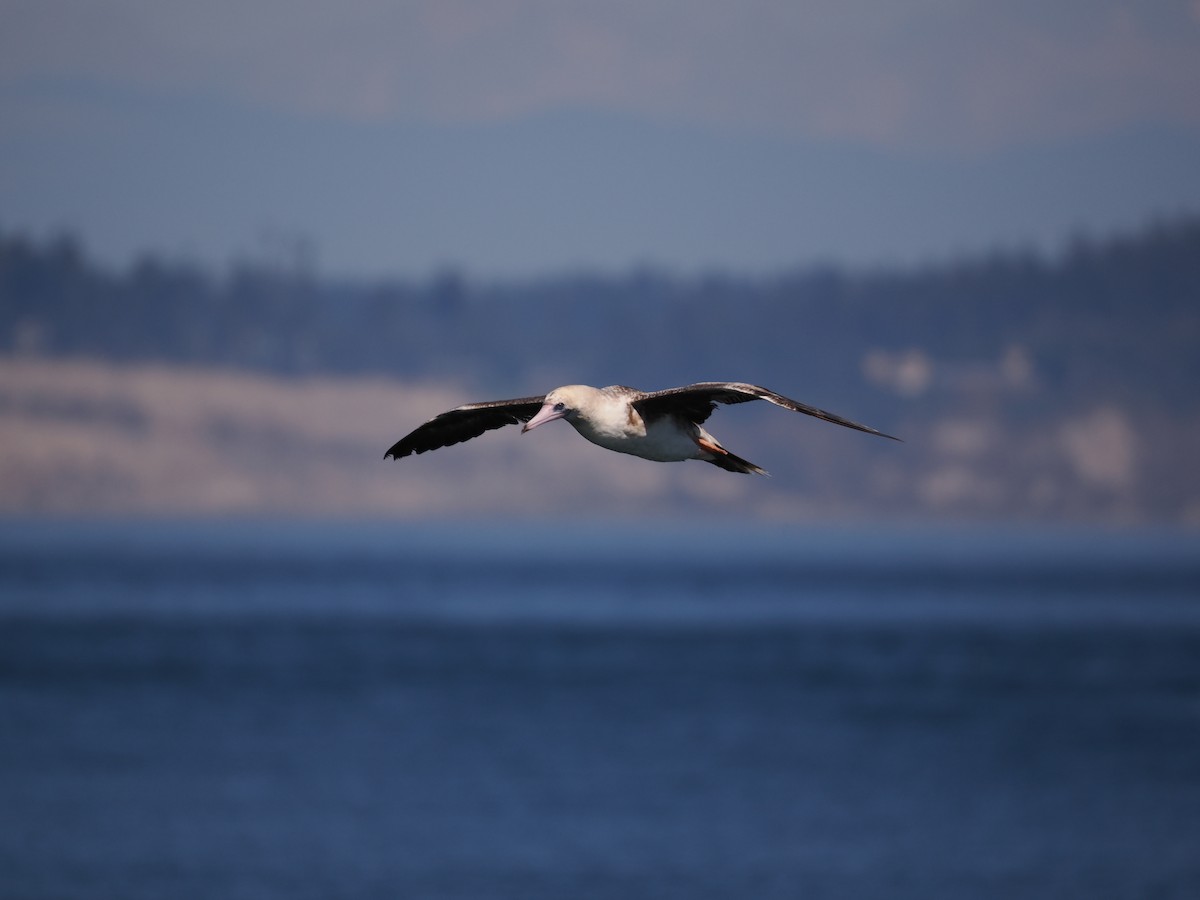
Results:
<point x="1119" y="315"/>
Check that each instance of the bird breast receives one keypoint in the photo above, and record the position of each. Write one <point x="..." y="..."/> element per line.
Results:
<point x="610" y="426"/>
<point x="664" y="438"/>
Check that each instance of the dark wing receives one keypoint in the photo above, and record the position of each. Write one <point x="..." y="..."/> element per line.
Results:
<point x="696" y="402"/>
<point x="465" y="422"/>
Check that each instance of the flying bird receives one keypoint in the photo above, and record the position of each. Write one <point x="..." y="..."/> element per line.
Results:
<point x="666" y="426"/>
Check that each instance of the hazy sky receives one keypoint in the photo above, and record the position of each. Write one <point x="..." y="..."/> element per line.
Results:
<point x="922" y="72"/>
<point x="945" y="79"/>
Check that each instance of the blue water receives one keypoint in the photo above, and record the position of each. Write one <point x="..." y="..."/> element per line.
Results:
<point x="378" y="711"/>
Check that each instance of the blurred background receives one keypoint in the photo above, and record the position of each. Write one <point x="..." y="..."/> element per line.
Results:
<point x="245" y="247"/>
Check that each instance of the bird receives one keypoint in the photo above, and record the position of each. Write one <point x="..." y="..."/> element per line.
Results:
<point x="665" y="426"/>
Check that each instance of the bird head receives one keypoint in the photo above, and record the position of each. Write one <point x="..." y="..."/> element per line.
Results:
<point x="560" y="403"/>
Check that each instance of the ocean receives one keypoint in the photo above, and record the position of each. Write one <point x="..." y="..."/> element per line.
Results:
<point x="720" y="710"/>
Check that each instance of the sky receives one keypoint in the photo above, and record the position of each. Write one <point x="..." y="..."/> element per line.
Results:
<point x="514" y="137"/>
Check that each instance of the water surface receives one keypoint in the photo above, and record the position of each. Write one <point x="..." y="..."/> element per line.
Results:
<point x="303" y="710"/>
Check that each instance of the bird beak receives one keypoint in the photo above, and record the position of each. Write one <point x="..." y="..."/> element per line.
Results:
<point x="546" y="414"/>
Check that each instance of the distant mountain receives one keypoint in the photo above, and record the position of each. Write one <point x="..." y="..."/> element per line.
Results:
<point x="580" y="189"/>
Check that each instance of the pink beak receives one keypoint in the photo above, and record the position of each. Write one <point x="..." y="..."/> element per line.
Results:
<point x="546" y="414"/>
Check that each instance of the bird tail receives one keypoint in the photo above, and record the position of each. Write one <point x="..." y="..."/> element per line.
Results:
<point x="731" y="463"/>
<point x="722" y="458"/>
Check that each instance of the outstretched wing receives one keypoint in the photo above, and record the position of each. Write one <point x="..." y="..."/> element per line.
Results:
<point x="697" y="401"/>
<point x="463" y="423"/>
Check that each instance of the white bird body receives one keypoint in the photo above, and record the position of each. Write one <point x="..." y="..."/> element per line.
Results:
<point x="664" y="426"/>
<point x="606" y="418"/>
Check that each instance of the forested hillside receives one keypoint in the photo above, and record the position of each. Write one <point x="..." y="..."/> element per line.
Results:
<point x="1120" y="314"/>
<point x="1024" y="385"/>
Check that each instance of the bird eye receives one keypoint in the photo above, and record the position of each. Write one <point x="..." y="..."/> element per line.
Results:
<point x="560" y="406"/>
